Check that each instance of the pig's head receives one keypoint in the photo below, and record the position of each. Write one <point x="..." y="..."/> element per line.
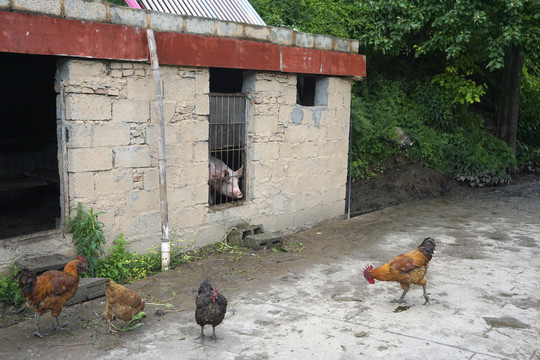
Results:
<point x="223" y="179"/>
<point x="229" y="183"/>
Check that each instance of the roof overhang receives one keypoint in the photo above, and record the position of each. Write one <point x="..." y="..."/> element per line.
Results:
<point x="45" y="35"/>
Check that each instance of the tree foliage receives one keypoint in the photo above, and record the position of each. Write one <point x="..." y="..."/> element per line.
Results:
<point x="471" y="35"/>
<point x="329" y="17"/>
<point x="118" y="2"/>
<point x="476" y="29"/>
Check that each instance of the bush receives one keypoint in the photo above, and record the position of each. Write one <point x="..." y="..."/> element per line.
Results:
<point x="376" y="112"/>
<point x="88" y="237"/>
<point x="528" y="136"/>
<point x="116" y="267"/>
<point x="382" y="107"/>
<point x="480" y="159"/>
<point x="123" y="266"/>
<point x="447" y="136"/>
<point x="9" y="288"/>
<point x="428" y="149"/>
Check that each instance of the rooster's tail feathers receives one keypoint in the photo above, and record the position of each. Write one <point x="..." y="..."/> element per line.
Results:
<point x="427" y="247"/>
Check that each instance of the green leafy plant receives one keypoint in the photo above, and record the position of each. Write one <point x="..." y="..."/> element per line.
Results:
<point x="223" y="247"/>
<point x="116" y="266"/>
<point x="87" y="236"/>
<point x="459" y="87"/>
<point x="387" y="110"/>
<point x="9" y="288"/>
<point x="134" y="319"/>
<point x="528" y="136"/>
<point x="376" y="112"/>
<point x="118" y="2"/>
<point x="290" y="247"/>
<point x="480" y="159"/>
<point x="123" y="266"/>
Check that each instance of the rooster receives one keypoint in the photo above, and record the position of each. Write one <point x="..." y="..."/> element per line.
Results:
<point x="51" y="290"/>
<point x="122" y="303"/>
<point x="406" y="269"/>
<point x="210" y="308"/>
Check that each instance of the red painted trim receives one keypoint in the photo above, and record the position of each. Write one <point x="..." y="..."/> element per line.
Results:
<point x="196" y="50"/>
<point x="44" y="35"/>
<point x="310" y="61"/>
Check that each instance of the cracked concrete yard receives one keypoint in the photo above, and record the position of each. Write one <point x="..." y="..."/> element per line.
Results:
<point x="483" y="282"/>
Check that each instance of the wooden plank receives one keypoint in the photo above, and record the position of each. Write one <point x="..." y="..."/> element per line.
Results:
<point x="21" y="183"/>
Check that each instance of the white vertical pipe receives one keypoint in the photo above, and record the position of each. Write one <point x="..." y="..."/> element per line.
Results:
<point x="165" y="243"/>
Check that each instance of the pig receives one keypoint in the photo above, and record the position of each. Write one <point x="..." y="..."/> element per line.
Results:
<point x="223" y="179"/>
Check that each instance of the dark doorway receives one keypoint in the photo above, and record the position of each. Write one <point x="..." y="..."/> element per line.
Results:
<point x="29" y="177"/>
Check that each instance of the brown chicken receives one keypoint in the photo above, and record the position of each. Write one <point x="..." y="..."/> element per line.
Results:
<point x="210" y="308"/>
<point x="51" y="290"/>
<point x="122" y="303"/>
<point x="406" y="269"/>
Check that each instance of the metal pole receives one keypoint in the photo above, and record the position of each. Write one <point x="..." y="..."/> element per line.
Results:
<point x="350" y="169"/>
<point x="165" y="243"/>
<point x="64" y="158"/>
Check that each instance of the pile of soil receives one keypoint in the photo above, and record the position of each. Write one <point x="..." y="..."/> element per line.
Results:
<point x="403" y="183"/>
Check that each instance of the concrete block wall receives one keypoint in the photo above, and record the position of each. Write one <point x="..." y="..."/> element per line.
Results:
<point x="112" y="148"/>
<point x="298" y="165"/>
<point x="296" y="170"/>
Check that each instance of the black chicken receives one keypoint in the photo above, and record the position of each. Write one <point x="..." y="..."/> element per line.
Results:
<point x="210" y="308"/>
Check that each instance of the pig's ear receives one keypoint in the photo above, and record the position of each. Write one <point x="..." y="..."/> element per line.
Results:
<point x="240" y="171"/>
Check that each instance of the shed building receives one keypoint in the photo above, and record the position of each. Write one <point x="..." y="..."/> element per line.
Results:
<point x="79" y="124"/>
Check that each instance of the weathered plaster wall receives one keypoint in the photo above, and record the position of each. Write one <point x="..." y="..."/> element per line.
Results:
<point x="296" y="169"/>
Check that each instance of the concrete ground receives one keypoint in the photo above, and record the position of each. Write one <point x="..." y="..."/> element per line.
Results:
<point x="483" y="282"/>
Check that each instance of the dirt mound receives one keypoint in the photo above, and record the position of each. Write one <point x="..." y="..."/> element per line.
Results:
<point x="403" y="183"/>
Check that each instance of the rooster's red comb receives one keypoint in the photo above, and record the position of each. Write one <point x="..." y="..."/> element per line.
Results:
<point x="80" y="258"/>
<point x="367" y="269"/>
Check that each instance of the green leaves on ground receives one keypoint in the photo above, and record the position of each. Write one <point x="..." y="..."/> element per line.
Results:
<point x="9" y="288"/>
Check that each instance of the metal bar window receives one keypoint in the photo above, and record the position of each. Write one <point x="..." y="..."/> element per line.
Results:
<point x="227" y="148"/>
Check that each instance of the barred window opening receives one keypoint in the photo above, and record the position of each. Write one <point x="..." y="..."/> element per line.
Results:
<point x="227" y="148"/>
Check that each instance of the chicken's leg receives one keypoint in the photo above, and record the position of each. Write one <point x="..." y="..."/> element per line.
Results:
<point x="402" y="298"/>
<point x="214" y="333"/>
<point x="57" y="325"/>
<point x="202" y="333"/>
<point x="110" y="327"/>
<point x="425" y="295"/>
<point x="36" y="328"/>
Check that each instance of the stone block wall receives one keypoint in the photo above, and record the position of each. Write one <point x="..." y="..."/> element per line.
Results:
<point x="296" y="164"/>
<point x="298" y="168"/>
